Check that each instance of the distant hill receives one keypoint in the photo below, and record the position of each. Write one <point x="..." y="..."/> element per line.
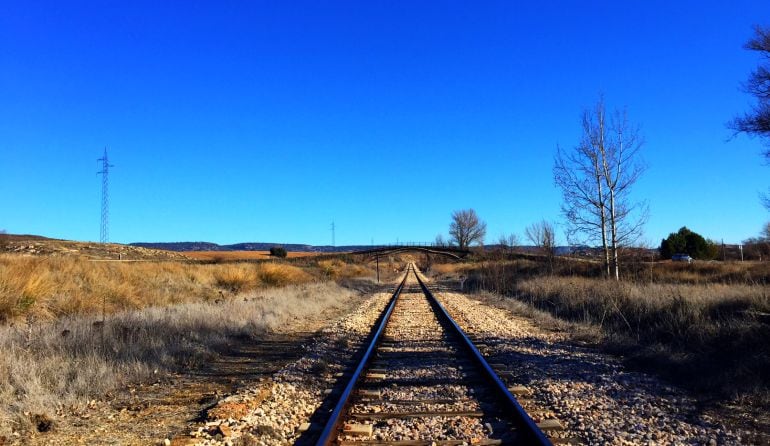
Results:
<point x="296" y="247"/>
<point x="35" y="245"/>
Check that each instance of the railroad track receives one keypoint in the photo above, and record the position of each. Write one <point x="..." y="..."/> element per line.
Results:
<point x="422" y="381"/>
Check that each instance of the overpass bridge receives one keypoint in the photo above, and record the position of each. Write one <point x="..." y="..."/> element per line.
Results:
<point x="427" y="248"/>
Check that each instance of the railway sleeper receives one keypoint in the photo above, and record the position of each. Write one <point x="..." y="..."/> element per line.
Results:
<point x="480" y="442"/>
<point x="417" y="414"/>
<point x="421" y="382"/>
<point x="418" y="402"/>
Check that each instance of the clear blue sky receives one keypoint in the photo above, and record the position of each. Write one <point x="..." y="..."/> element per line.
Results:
<point x="265" y="121"/>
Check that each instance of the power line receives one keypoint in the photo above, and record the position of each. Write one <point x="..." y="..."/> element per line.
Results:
<point x="104" y="231"/>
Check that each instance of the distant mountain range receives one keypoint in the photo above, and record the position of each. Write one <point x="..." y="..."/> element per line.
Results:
<point x="251" y="246"/>
<point x="293" y="247"/>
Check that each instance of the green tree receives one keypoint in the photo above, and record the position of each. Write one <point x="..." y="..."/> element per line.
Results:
<point x="688" y="242"/>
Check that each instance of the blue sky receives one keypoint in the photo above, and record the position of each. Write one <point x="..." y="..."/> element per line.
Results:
<point x="265" y="121"/>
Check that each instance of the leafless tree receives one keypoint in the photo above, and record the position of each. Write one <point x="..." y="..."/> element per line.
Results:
<point x="439" y="241"/>
<point x="579" y="176"/>
<point x="466" y="228"/>
<point x="757" y="122"/>
<point x="543" y="235"/>
<point x="508" y="242"/>
<point x="596" y="179"/>
<point x="759" y="247"/>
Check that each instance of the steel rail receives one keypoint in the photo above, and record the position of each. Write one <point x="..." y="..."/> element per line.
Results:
<point x="530" y="432"/>
<point x="332" y="427"/>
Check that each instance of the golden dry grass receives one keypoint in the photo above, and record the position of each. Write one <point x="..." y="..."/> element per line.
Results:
<point x="337" y="269"/>
<point x="47" y="288"/>
<point x="43" y="371"/>
<point x="704" y="325"/>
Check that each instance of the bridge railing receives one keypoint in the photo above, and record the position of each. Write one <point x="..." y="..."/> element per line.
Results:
<point x="409" y="244"/>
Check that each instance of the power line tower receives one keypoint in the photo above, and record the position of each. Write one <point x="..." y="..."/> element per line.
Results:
<point x="104" y="232"/>
<point x="333" y="241"/>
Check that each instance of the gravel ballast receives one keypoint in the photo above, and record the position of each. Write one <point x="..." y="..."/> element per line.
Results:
<point x="592" y="394"/>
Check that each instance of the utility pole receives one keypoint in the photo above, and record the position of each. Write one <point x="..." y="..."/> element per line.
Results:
<point x="104" y="231"/>
<point x="378" y="268"/>
<point x="724" y="256"/>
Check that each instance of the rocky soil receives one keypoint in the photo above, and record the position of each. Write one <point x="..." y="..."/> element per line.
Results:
<point x="40" y="246"/>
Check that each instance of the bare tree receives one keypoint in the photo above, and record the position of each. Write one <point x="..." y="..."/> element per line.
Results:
<point x="508" y="242"/>
<point x="621" y="169"/>
<point x="578" y="174"/>
<point x="439" y="241"/>
<point x="596" y="180"/>
<point x="466" y="228"/>
<point x="757" y="122"/>
<point x="543" y="235"/>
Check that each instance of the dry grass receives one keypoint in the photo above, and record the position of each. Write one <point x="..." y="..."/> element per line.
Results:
<point x="710" y="336"/>
<point x="704" y="325"/>
<point x="277" y="274"/>
<point x="47" y="288"/>
<point x="449" y="268"/>
<point x="60" y="365"/>
<point x="337" y="269"/>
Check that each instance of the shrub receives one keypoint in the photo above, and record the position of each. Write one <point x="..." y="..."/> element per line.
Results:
<point x="278" y="251"/>
<point x="277" y="274"/>
<point x="236" y="277"/>
<point x="337" y="269"/>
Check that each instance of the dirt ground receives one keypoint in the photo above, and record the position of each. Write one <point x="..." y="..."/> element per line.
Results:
<point x="150" y="413"/>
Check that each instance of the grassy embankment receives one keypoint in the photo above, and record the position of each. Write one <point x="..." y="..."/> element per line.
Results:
<point x="59" y="350"/>
<point x="48" y="288"/>
<point x="705" y="325"/>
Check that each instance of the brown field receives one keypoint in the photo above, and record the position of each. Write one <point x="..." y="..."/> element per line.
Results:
<point x="219" y="256"/>
<point x="46" y="288"/>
